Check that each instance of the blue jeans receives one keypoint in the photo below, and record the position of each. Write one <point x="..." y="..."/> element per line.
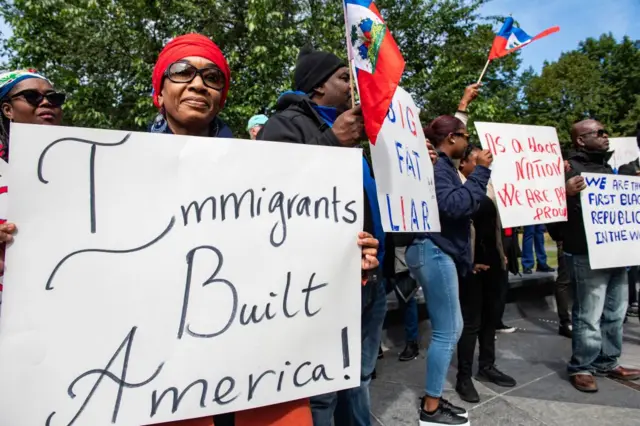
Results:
<point x="436" y="272"/>
<point x="533" y="236"/>
<point x="599" y="308"/>
<point x="351" y="407"/>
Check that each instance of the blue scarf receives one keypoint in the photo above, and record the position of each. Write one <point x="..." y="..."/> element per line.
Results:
<point x="329" y="115"/>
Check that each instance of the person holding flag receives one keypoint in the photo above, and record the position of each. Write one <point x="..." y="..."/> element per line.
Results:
<point x="320" y="112"/>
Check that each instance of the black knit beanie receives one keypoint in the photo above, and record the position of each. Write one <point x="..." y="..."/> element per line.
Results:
<point x="314" y="68"/>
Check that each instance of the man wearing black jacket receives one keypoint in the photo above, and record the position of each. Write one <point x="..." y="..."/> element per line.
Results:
<point x="319" y="113"/>
<point x="600" y="296"/>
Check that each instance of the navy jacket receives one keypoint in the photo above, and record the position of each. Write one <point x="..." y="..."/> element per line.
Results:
<point x="456" y="204"/>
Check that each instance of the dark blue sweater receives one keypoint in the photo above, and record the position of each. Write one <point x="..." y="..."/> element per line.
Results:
<point x="456" y="204"/>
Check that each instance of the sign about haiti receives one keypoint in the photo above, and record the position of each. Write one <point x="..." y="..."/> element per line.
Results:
<point x="527" y="173"/>
<point x="403" y="170"/>
<point x="611" y="214"/>
<point x="161" y="277"/>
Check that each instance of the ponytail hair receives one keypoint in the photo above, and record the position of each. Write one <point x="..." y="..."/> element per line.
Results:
<point x="438" y="130"/>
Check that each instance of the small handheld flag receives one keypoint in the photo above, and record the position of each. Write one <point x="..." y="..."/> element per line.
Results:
<point x="377" y="61"/>
<point x="510" y="38"/>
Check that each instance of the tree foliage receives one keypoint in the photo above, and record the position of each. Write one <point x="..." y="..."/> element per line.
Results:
<point x="600" y="79"/>
<point x="101" y="52"/>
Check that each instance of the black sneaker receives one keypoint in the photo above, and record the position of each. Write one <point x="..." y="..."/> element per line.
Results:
<point x="505" y="329"/>
<point x="495" y="376"/>
<point x="410" y="352"/>
<point x="380" y="353"/>
<point x="545" y="268"/>
<point x="467" y="391"/>
<point x="458" y="411"/>
<point x="566" y="330"/>
<point x="527" y="271"/>
<point x="442" y="416"/>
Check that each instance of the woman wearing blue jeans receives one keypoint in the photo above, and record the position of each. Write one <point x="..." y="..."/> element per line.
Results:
<point x="437" y="260"/>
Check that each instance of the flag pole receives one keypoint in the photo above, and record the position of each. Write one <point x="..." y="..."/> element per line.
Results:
<point x="484" y="70"/>
<point x="351" y="73"/>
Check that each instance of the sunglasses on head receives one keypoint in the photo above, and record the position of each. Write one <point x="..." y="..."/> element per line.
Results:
<point x="184" y="72"/>
<point x="599" y="132"/>
<point x="34" y="98"/>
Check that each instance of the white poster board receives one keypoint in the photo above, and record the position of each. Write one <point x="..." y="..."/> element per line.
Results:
<point x="625" y="150"/>
<point x="403" y="170"/>
<point x="4" y="169"/>
<point x="527" y="173"/>
<point x="210" y="275"/>
<point x="611" y="214"/>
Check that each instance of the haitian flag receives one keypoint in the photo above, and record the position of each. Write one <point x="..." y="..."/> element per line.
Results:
<point x="511" y="38"/>
<point x="377" y="60"/>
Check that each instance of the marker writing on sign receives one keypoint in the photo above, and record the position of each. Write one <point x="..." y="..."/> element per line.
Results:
<point x="285" y="206"/>
<point x="248" y="314"/>
<point x="220" y="391"/>
<point x="92" y="169"/>
<point x="164" y="233"/>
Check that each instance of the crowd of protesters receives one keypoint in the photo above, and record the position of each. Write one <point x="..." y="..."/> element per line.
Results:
<point x="462" y="271"/>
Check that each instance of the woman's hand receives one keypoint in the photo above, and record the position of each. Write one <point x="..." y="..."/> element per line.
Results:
<point x="480" y="268"/>
<point x="6" y="236"/>
<point x="369" y="251"/>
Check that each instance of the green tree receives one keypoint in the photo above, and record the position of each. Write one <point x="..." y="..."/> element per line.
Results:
<point x="600" y="79"/>
<point x="101" y="52"/>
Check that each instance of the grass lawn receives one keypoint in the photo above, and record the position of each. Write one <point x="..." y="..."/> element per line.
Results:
<point x="550" y="248"/>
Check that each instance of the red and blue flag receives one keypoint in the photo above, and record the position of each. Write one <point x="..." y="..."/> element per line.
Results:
<point x="377" y="61"/>
<point x="510" y="38"/>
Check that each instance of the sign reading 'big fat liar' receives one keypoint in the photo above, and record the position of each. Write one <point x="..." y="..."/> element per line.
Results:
<point x="611" y="215"/>
<point x="403" y="170"/>
<point x="527" y="173"/>
<point x="161" y="277"/>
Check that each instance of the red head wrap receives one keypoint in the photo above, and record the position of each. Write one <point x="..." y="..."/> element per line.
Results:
<point x="182" y="47"/>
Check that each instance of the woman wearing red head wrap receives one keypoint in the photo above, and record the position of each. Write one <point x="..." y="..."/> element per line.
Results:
<point x="190" y="85"/>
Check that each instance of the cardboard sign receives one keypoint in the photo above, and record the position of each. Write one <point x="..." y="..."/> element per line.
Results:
<point x="625" y="150"/>
<point x="611" y="214"/>
<point x="527" y="173"/>
<point x="162" y="277"/>
<point x="403" y="170"/>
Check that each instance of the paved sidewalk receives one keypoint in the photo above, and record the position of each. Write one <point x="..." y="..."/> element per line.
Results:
<point x="535" y="356"/>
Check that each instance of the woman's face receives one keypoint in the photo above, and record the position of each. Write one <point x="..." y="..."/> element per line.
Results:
<point x="24" y="105"/>
<point x="469" y="164"/>
<point x="192" y="105"/>
<point x="461" y="140"/>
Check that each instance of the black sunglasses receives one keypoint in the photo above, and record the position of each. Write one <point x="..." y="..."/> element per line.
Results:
<point x="34" y="98"/>
<point x="600" y="133"/>
<point x="184" y="72"/>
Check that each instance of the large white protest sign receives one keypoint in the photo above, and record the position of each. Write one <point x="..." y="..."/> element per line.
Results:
<point x="611" y="214"/>
<point x="403" y="170"/>
<point x="162" y="277"/>
<point x="3" y="206"/>
<point x="625" y="150"/>
<point x="527" y="173"/>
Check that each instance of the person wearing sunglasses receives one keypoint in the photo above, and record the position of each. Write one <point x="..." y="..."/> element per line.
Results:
<point x="599" y="296"/>
<point x="480" y="292"/>
<point x="439" y="261"/>
<point x="27" y="97"/>
<point x="190" y="86"/>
